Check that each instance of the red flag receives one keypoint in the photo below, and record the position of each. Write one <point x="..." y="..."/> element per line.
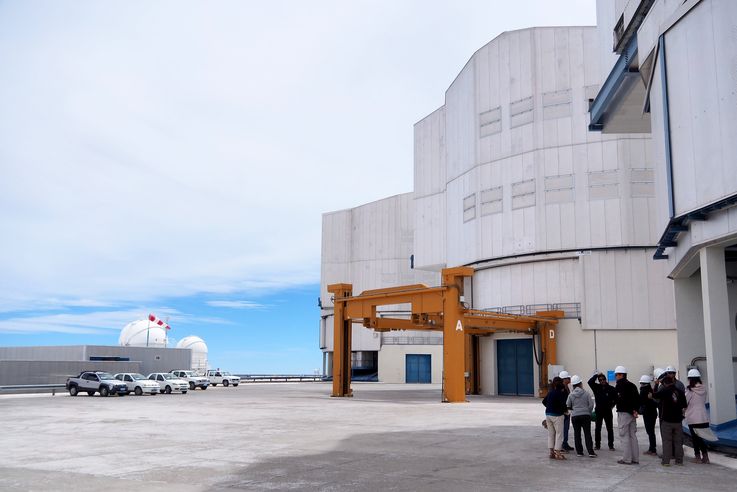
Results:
<point x="168" y="327"/>
<point x="151" y="317"/>
<point x="160" y="323"/>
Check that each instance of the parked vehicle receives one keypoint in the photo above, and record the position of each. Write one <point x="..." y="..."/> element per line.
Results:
<point x="137" y="383"/>
<point x="93" y="382"/>
<point x="222" y="377"/>
<point x="193" y="380"/>
<point x="168" y="382"/>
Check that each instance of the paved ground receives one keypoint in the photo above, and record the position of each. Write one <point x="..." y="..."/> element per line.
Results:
<point x="293" y="436"/>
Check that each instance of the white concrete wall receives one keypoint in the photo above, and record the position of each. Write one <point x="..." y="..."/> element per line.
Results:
<point x="429" y="194"/>
<point x="370" y="247"/>
<point x="392" y="362"/>
<point x="700" y="53"/>
<point x="583" y="351"/>
<point x="524" y="174"/>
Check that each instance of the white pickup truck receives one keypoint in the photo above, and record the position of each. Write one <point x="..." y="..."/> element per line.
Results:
<point x="222" y="377"/>
<point x="93" y="382"/>
<point x="193" y="380"/>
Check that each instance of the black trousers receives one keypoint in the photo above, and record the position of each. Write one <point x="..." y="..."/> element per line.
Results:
<point x="650" y="429"/>
<point x="582" y="422"/>
<point x="699" y="445"/>
<point x="604" y="415"/>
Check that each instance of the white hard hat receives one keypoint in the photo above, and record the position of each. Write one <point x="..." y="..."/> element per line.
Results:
<point x="575" y="379"/>
<point x="620" y="370"/>
<point x="645" y="379"/>
<point x="564" y="375"/>
<point x="694" y="373"/>
<point x="670" y="369"/>
<point x="658" y="372"/>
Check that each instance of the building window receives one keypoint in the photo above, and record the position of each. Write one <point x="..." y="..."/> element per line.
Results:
<point x="490" y="122"/>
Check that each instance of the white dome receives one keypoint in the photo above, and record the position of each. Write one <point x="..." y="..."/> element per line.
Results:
<point x="143" y="333"/>
<point x="199" y="351"/>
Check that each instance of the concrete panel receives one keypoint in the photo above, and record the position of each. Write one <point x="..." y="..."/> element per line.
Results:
<point x="392" y="362"/>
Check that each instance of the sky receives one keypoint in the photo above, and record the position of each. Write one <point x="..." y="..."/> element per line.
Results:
<point x="175" y="157"/>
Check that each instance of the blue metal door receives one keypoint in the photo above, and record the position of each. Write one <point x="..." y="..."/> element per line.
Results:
<point x="418" y="368"/>
<point x="514" y="367"/>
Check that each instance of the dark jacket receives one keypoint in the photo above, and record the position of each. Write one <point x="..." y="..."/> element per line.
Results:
<point x="628" y="398"/>
<point x="648" y="406"/>
<point x="672" y="403"/>
<point x="555" y="403"/>
<point x="604" y="394"/>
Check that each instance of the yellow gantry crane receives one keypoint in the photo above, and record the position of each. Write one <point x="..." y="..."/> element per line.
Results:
<point x="437" y="309"/>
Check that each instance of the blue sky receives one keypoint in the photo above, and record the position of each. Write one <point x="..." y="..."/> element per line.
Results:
<point x="159" y="155"/>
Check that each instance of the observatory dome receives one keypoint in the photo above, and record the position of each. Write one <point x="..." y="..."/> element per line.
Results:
<point x="199" y="351"/>
<point x="143" y="333"/>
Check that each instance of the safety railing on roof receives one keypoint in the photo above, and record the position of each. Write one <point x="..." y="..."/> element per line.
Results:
<point x="407" y="340"/>
<point x="571" y="310"/>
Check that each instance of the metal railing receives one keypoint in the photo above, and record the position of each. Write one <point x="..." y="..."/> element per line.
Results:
<point x="32" y="388"/>
<point x="570" y="309"/>
<point x="280" y="378"/>
<point x="405" y="340"/>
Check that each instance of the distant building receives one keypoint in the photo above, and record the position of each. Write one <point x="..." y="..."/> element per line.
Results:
<point x="54" y="364"/>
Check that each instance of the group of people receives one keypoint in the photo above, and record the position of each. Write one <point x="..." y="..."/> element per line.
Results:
<point x="663" y="397"/>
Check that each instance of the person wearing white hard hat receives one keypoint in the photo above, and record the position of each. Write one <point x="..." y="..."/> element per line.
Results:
<point x="649" y="412"/>
<point x="566" y="377"/>
<point x="606" y="397"/>
<point x="628" y="401"/>
<point x="580" y="404"/>
<point x="672" y="406"/>
<point x="671" y="371"/>
<point x="696" y="415"/>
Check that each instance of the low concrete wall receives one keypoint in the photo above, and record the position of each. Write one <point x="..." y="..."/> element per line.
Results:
<point x="53" y="372"/>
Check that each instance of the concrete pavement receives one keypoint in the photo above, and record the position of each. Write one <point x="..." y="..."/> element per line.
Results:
<point x="295" y="437"/>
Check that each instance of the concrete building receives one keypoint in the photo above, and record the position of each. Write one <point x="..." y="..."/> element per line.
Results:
<point x="671" y="70"/>
<point x="509" y="180"/>
<point x="54" y="364"/>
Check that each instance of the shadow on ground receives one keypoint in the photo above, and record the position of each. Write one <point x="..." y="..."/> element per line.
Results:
<point x="468" y="459"/>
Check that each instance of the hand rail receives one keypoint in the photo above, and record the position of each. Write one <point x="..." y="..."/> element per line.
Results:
<point x="32" y="388"/>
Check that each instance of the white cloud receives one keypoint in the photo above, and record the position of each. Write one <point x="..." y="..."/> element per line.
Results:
<point x="98" y="322"/>
<point x="236" y="304"/>
<point x="152" y="150"/>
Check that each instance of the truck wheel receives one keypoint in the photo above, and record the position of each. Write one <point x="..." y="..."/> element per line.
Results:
<point x="104" y="391"/>
<point x="191" y="385"/>
<point x="213" y="384"/>
<point x="123" y="394"/>
<point x="73" y="390"/>
<point x="90" y="393"/>
<point x="235" y="384"/>
<point x="138" y="391"/>
<point x="226" y="382"/>
<point x="203" y="388"/>
<point x="167" y="390"/>
<point x="184" y="392"/>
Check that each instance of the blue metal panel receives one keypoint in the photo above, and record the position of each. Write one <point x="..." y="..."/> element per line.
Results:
<point x="514" y="367"/>
<point x="418" y="368"/>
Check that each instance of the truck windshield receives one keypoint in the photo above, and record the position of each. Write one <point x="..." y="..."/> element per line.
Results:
<point x="226" y="374"/>
<point x="105" y="375"/>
